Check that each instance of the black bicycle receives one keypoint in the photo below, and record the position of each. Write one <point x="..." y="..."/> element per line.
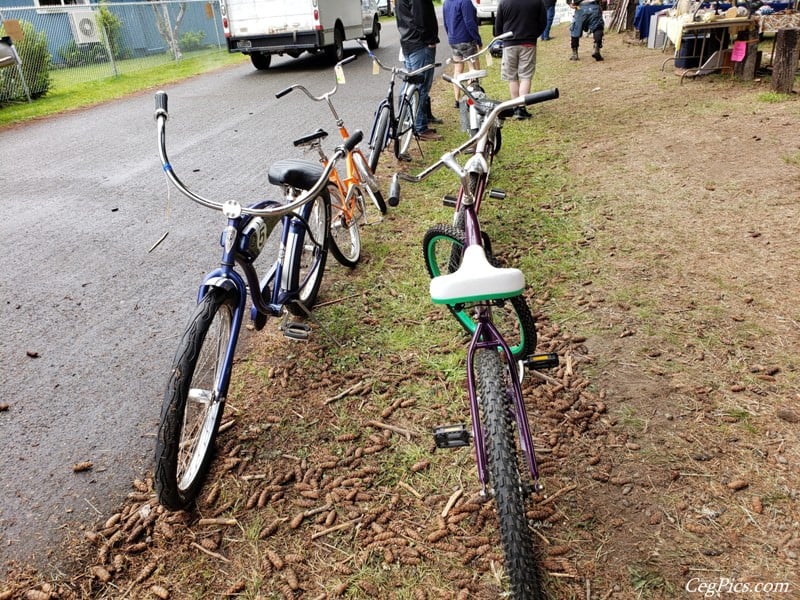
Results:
<point x="395" y="123"/>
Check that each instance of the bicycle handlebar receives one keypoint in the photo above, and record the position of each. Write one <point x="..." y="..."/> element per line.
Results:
<point x="324" y="96"/>
<point x="396" y="70"/>
<point x="502" y="36"/>
<point x="448" y="159"/>
<point x="232" y="208"/>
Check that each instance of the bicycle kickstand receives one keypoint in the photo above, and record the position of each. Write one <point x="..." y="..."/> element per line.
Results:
<point x="301" y="331"/>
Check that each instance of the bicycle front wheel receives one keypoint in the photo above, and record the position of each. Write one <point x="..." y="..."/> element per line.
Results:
<point x="307" y="251"/>
<point x="378" y="140"/>
<point x="442" y="248"/>
<point x="193" y="402"/>
<point x="405" y="122"/>
<point x="496" y="407"/>
<point x="345" y="235"/>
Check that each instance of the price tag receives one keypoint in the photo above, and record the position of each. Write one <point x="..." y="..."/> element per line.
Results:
<point x="339" y="74"/>
<point x="375" y="68"/>
<point x="489" y="59"/>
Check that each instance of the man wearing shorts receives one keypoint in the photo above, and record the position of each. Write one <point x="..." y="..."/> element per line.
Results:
<point x="527" y="20"/>
<point x="461" y="25"/>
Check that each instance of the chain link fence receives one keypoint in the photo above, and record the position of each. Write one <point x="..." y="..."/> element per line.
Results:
<point x="58" y="46"/>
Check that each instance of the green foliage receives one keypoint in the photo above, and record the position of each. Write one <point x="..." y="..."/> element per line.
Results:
<point x="111" y="28"/>
<point x="74" y="55"/>
<point x="36" y="65"/>
<point x="192" y="40"/>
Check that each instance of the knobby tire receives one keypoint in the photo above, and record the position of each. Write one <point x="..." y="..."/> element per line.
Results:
<point x="496" y="407"/>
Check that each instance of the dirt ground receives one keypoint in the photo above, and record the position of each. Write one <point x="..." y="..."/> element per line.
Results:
<point x="668" y="437"/>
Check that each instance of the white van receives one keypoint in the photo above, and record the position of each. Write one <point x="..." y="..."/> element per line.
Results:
<point x="486" y="9"/>
<point x="261" y="28"/>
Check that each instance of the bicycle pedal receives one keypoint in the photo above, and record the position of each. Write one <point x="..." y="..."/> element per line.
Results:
<point x="296" y="331"/>
<point x="449" y="201"/>
<point x="538" y="362"/>
<point x="451" y="436"/>
<point x="497" y="194"/>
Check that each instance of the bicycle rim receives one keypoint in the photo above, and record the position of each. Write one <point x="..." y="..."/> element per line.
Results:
<point x="496" y="408"/>
<point x="345" y="235"/>
<point x="405" y="122"/>
<point x="442" y="247"/>
<point x="193" y="402"/>
<point x="306" y="252"/>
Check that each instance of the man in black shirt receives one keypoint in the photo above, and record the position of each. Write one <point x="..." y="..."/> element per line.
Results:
<point x="527" y="19"/>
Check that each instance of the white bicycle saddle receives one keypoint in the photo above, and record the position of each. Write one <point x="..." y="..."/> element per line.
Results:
<point x="476" y="279"/>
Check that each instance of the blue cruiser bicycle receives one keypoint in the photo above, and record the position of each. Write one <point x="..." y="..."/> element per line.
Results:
<point x="201" y="371"/>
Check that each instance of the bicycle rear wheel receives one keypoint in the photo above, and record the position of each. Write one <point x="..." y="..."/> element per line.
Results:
<point x="442" y="247"/>
<point x="496" y="407"/>
<point x="405" y="122"/>
<point x="345" y="235"/>
<point x="307" y="251"/>
<point x="379" y="139"/>
<point x="193" y="403"/>
<point x="370" y="182"/>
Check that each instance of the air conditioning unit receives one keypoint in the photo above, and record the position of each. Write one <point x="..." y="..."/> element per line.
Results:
<point x="84" y="26"/>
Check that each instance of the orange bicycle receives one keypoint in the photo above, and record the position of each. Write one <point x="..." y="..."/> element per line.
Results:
<point x="348" y="193"/>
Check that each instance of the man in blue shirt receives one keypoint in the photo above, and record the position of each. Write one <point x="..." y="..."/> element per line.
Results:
<point x="461" y="25"/>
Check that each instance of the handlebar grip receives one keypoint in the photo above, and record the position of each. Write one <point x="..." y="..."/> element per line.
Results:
<point x="437" y="64"/>
<point x="447" y="78"/>
<point x="542" y="96"/>
<point x="282" y="93"/>
<point x="394" y="191"/>
<point x="353" y="140"/>
<point x="161" y="103"/>
<point x="350" y="58"/>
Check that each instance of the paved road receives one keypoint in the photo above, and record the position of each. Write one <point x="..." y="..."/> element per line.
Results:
<point x="91" y="318"/>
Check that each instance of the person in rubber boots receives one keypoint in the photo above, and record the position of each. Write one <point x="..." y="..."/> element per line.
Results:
<point x="588" y="17"/>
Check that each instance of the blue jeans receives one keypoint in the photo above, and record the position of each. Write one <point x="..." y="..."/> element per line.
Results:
<point x="414" y="61"/>
<point x="551" y="14"/>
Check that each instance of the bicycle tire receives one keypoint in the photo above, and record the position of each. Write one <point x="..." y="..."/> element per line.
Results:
<point x="496" y="408"/>
<point x="370" y="183"/>
<point x="405" y="122"/>
<point x="345" y="234"/>
<point x="442" y="247"/>
<point x="379" y="138"/>
<point x="192" y="406"/>
<point x="303" y="272"/>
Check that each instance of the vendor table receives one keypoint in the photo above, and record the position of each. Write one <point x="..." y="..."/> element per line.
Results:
<point x="774" y="22"/>
<point x="677" y="29"/>
<point x="641" y="18"/>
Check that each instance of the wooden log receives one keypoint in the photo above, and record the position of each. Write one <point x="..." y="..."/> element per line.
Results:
<point x="746" y="69"/>
<point x="784" y="60"/>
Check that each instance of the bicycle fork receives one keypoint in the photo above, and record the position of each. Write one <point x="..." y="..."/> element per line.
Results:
<point x="487" y="336"/>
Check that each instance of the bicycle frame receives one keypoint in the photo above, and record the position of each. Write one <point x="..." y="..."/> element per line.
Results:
<point x="227" y="277"/>
<point x="487" y="336"/>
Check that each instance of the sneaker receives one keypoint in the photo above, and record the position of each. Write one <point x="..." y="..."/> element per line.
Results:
<point x="429" y="135"/>
<point x="521" y="113"/>
<point x="457" y="105"/>
<point x="434" y="120"/>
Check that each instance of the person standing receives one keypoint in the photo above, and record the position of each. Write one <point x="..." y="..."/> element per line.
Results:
<point x="461" y="25"/>
<point x="419" y="34"/>
<point x="527" y="20"/>
<point x="588" y="17"/>
<point x="550" y="5"/>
